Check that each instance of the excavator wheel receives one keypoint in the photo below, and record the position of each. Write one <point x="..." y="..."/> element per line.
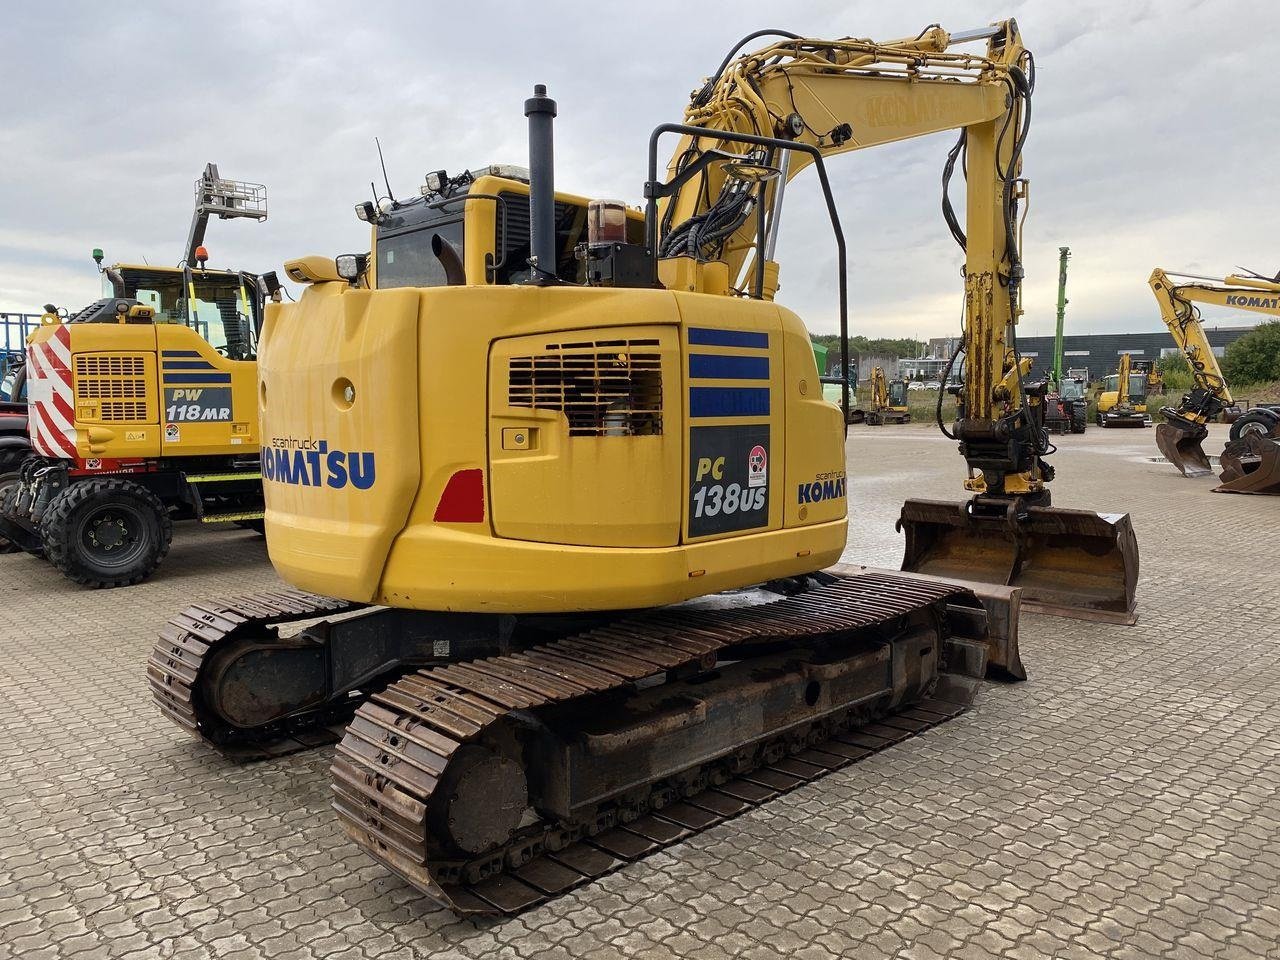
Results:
<point x="107" y="532"/>
<point x="8" y="490"/>
<point x="1261" y="420"/>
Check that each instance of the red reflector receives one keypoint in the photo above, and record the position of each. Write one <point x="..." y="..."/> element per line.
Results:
<point x="463" y="498"/>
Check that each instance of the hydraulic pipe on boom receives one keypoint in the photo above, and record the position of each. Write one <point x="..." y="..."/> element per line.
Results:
<point x="839" y="96"/>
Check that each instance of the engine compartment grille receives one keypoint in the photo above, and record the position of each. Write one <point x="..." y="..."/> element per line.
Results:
<point x="131" y="410"/>
<point x="117" y="380"/>
<point x="605" y="388"/>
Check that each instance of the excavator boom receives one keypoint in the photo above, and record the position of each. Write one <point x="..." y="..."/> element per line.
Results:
<point x="1246" y="468"/>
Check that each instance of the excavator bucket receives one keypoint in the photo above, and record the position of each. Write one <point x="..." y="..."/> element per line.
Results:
<point x="1250" y="465"/>
<point x="1069" y="563"/>
<point x="1181" y="447"/>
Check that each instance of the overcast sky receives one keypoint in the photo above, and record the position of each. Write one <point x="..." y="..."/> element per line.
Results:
<point x="1153" y="138"/>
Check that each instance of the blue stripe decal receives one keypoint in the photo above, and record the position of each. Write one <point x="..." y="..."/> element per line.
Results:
<point x="728" y="401"/>
<point x="715" y="366"/>
<point x="188" y="365"/>
<point x="189" y="379"/>
<point x="179" y="353"/>
<point x="708" y="337"/>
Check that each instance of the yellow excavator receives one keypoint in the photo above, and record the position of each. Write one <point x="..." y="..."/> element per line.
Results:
<point x="143" y="409"/>
<point x="1122" y="401"/>
<point x="565" y="489"/>
<point x="1251" y="462"/>
<point x="888" y="400"/>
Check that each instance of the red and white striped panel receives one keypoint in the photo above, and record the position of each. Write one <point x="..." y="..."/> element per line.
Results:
<point x="50" y="397"/>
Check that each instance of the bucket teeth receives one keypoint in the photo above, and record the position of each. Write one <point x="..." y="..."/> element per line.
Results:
<point x="1181" y="447"/>
<point x="1071" y="563"/>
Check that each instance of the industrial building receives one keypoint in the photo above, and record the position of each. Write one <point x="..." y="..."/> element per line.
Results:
<point x="1099" y="353"/>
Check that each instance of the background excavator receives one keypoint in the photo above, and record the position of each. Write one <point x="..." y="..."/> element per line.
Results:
<point x="888" y="400"/>
<point x="1251" y="461"/>
<point x="581" y="466"/>
<point x="142" y="409"/>
<point x="1122" y="401"/>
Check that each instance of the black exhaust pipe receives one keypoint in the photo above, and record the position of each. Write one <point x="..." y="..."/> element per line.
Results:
<point x="541" y="110"/>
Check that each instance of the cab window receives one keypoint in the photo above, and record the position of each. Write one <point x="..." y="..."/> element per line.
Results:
<point x="219" y="307"/>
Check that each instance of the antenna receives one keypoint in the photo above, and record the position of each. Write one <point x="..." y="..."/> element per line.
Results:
<point x="385" y="179"/>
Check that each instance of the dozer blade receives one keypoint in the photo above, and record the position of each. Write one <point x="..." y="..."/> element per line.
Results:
<point x="1250" y="465"/>
<point x="1069" y="563"/>
<point x="1181" y="447"/>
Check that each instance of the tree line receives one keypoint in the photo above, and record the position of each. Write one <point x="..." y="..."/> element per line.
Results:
<point x="901" y="347"/>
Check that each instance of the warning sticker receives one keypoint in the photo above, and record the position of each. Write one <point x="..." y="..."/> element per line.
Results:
<point x="171" y="433"/>
<point x="758" y="467"/>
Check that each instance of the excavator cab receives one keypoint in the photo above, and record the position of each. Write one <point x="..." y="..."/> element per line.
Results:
<point x="898" y="395"/>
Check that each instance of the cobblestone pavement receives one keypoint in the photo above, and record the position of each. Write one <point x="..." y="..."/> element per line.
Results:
<point x="1125" y="802"/>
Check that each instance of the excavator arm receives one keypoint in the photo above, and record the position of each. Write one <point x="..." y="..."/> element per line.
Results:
<point x="713" y="225"/>
<point x="852" y="94"/>
<point x="1122" y="381"/>
<point x="879" y="390"/>
<point x="1184" y="428"/>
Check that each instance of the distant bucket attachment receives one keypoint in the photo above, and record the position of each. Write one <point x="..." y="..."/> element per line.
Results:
<point x="1069" y="563"/>
<point x="1181" y="447"/>
<point x="1250" y="465"/>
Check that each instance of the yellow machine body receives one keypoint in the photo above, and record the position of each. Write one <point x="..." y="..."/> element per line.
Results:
<point x="536" y="449"/>
<point x="144" y="388"/>
<point x="478" y="497"/>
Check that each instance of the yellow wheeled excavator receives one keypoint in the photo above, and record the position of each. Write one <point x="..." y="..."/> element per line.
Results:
<point x="142" y="408"/>
<point x="1251" y="462"/>
<point x="1123" y="399"/>
<point x="565" y="488"/>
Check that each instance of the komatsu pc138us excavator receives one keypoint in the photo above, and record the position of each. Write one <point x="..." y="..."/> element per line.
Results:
<point x="519" y="452"/>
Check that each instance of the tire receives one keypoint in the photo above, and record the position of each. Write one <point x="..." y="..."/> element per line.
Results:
<point x="1258" y="420"/>
<point x="8" y="492"/>
<point x="84" y="519"/>
<point x="1079" y="420"/>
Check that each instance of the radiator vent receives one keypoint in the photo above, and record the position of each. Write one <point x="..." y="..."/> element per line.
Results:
<point x="126" y="410"/>
<point x="117" y="380"/>
<point x="110" y="365"/>
<point x="605" y="388"/>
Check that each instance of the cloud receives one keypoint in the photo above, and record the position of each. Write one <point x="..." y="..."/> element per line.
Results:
<point x="1143" y="150"/>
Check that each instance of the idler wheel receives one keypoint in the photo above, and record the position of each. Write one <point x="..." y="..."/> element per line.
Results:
<point x="480" y="800"/>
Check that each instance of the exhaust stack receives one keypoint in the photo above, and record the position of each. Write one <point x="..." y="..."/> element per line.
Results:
<point x="541" y="110"/>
